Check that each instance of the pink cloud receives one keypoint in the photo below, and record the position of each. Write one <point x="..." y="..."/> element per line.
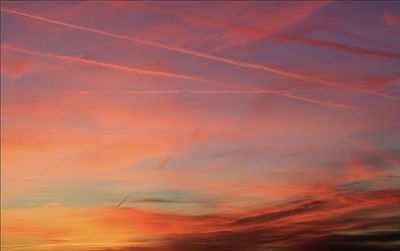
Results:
<point x="16" y="66"/>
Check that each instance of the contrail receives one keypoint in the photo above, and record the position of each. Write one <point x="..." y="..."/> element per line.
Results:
<point x="165" y="162"/>
<point x="202" y="55"/>
<point x="241" y="91"/>
<point x="175" y="91"/>
<point x="122" y="68"/>
<point x="338" y="46"/>
<point x="169" y="75"/>
<point x="122" y="201"/>
<point x="262" y="32"/>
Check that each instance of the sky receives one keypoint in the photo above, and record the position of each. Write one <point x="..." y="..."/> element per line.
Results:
<point x="194" y="126"/>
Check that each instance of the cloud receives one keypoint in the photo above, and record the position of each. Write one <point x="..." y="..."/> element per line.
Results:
<point x="171" y="75"/>
<point x="287" y="226"/>
<point x="122" y="201"/>
<point x="16" y="66"/>
<point x="381" y="82"/>
<point x="306" y="207"/>
<point x="273" y="239"/>
<point x="338" y="46"/>
<point x="391" y="19"/>
<point x="296" y="226"/>
<point x="372" y="165"/>
<point x="120" y="67"/>
<point x="278" y="22"/>
<point x="252" y="90"/>
<point x="369" y="241"/>
<point x="279" y="17"/>
<point x="164" y="162"/>
<point x="87" y="128"/>
<point x="248" y="65"/>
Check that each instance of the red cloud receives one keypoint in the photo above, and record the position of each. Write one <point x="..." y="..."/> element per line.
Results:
<point x="391" y="19"/>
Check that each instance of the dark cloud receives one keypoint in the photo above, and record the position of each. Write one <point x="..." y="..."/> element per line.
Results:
<point x="360" y="227"/>
<point x="264" y="240"/>
<point x="281" y="214"/>
<point x="380" y="241"/>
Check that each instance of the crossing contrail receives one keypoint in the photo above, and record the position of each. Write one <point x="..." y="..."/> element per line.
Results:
<point x="171" y="75"/>
<point x="208" y="56"/>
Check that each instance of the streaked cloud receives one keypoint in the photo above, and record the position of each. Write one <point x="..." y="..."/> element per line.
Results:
<point x="189" y="126"/>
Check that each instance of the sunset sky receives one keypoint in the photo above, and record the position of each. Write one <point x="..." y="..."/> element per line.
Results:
<point x="196" y="126"/>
